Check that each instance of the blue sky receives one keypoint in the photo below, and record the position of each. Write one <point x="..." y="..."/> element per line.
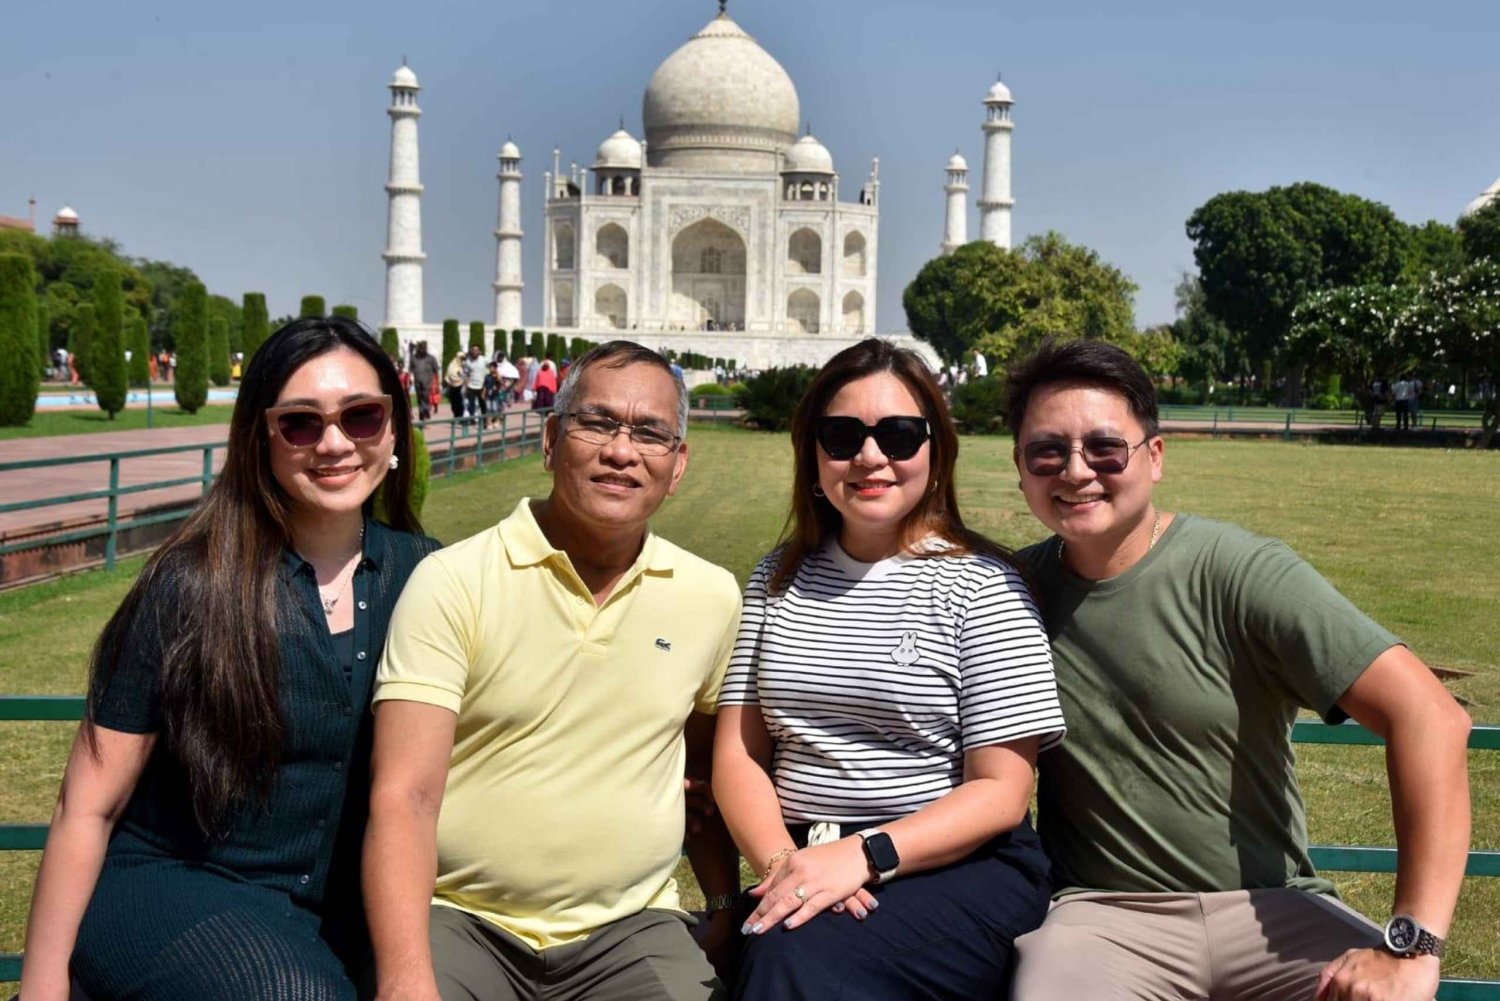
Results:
<point x="249" y="141"/>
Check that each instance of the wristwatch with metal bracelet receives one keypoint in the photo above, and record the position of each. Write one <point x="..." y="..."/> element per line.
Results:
<point x="1406" y="938"/>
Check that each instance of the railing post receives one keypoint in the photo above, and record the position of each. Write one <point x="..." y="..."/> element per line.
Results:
<point x="1287" y="434"/>
<point x="505" y="433"/>
<point x="479" y="443"/>
<point x="208" y="469"/>
<point x="111" y="545"/>
<point x="1215" y="431"/>
<point x="452" y="443"/>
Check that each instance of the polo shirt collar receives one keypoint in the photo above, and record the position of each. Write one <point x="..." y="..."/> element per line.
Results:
<point x="526" y="544"/>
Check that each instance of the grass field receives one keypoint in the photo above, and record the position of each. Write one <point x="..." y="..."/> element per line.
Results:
<point x="1407" y="534"/>
<point x="165" y="414"/>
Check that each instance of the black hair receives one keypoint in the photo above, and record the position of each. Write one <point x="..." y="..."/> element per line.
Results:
<point x="1086" y="362"/>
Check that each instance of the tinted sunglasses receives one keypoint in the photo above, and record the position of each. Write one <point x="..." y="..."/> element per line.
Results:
<point x="1102" y="454"/>
<point x="303" y="426"/>
<point x="898" y="437"/>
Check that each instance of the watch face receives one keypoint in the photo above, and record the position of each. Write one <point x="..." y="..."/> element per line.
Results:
<point x="881" y="852"/>
<point x="1401" y="933"/>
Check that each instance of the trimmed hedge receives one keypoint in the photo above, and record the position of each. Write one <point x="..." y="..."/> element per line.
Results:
<point x="451" y="343"/>
<point x="517" y="345"/>
<point x="312" y="305"/>
<point x="81" y="339"/>
<point x="346" y="311"/>
<point x="107" y="353"/>
<point x="390" y="342"/>
<point x="138" y="337"/>
<point x="20" y="376"/>
<point x="44" y="335"/>
<point x="190" y="334"/>
<point x="538" y="346"/>
<point x="257" y="325"/>
<point x="218" y="351"/>
<point x="476" y="335"/>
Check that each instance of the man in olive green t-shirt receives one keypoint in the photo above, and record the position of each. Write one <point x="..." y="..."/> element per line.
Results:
<point x="1184" y="648"/>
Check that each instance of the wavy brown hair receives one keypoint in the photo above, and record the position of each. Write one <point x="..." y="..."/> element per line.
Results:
<point x="212" y="588"/>
<point x="813" y="519"/>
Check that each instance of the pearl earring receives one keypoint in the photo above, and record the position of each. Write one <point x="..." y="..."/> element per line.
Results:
<point x="395" y="461"/>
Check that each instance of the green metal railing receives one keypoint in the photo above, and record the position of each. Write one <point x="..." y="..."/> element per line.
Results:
<point x="1335" y="858"/>
<point x="1431" y="420"/>
<point x="490" y="437"/>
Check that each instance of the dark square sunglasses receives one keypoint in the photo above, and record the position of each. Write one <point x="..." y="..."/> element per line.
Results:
<point x="302" y="426"/>
<point x="898" y="437"/>
<point x="1102" y="454"/>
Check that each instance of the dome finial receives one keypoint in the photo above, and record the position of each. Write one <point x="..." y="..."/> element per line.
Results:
<point x="723" y="5"/>
<point x="622" y="123"/>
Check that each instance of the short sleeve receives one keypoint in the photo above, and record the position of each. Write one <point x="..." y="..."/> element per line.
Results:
<point x="707" y="700"/>
<point x="1301" y="630"/>
<point x="739" y="688"/>
<point x="428" y="646"/>
<point x="126" y="694"/>
<point x="1007" y="689"/>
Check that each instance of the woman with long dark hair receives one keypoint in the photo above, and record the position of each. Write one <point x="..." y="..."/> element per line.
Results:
<point x="206" y="840"/>
<point x="889" y="690"/>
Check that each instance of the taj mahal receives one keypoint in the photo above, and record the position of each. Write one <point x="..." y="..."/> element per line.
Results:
<point x="723" y="231"/>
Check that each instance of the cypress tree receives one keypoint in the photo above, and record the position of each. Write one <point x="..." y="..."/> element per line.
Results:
<point x="44" y="334"/>
<point x="312" y="305"/>
<point x="346" y="311"/>
<point x="256" y="326"/>
<point x="107" y="357"/>
<point x="538" y="347"/>
<point x="390" y="341"/>
<point x="517" y="345"/>
<point x="451" y="344"/>
<point x="20" y="375"/>
<point x="190" y="334"/>
<point x="218" y="351"/>
<point x="81" y="339"/>
<point x="476" y="336"/>
<point x="139" y="340"/>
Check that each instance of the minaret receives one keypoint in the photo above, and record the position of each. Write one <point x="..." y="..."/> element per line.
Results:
<point x="403" y="236"/>
<point x="956" y="227"/>
<point x="994" y="199"/>
<point x="508" y="241"/>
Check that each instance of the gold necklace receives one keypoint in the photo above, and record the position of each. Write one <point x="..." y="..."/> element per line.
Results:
<point x="1155" y="534"/>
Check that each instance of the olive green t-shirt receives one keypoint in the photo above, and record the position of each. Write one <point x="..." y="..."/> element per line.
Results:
<point x="1180" y="680"/>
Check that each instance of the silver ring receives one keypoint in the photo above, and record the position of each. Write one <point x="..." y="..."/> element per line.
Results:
<point x="799" y="893"/>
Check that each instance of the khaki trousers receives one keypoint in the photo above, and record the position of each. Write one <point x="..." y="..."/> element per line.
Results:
<point x="650" y="956"/>
<point x="1266" y="945"/>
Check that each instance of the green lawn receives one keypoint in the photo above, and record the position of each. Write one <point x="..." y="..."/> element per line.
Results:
<point x="164" y="414"/>
<point x="1407" y="534"/>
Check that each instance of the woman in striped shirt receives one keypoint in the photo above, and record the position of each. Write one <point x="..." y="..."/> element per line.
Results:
<point x="889" y="691"/>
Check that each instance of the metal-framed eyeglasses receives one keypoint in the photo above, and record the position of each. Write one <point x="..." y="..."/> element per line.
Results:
<point x="1101" y="453"/>
<point x="597" y="429"/>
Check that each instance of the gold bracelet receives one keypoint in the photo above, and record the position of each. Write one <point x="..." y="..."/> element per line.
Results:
<point x="771" y="862"/>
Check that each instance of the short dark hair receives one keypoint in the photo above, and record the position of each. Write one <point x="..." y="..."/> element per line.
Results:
<point x="1089" y="363"/>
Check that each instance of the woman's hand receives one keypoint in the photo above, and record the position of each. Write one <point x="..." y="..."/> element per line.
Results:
<point x="809" y="882"/>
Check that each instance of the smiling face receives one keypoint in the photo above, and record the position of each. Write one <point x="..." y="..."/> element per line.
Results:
<point x="336" y="475"/>
<point x="1088" y="509"/>
<point x="611" y="486"/>
<point x="873" y="492"/>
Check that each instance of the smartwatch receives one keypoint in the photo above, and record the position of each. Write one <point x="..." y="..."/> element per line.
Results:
<point x="1405" y="937"/>
<point x="880" y="852"/>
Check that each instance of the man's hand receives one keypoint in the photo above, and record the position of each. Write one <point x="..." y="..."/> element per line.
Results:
<point x="719" y="940"/>
<point x="699" y="795"/>
<point x="1377" y="975"/>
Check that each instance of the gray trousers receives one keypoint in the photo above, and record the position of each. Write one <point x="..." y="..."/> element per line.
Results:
<point x="650" y="956"/>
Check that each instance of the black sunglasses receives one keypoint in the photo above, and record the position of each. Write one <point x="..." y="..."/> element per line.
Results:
<point x="302" y="426"/>
<point x="1102" y="454"/>
<point x="898" y="437"/>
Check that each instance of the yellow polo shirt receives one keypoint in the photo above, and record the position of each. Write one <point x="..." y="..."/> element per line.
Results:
<point x="564" y="805"/>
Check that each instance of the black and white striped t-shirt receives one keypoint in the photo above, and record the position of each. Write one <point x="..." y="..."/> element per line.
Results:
<point x="875" y="678"/>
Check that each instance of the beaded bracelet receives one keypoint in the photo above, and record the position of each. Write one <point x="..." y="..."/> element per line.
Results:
<point x="771" y="862"/>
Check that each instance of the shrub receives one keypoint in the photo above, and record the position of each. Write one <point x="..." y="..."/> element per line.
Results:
<point x="710" y="389"/>
<point x="979" y="405"/>
<point x="138" y="337"/>
<point x="190" y="335"/>
<point x="517" y="345"/>
<point x="257" y="325"/>
<point x="44" y="335"/>
<point x="81" y="338"/>
<point x="476" y="335"/>
<point x="390" y="342"/>
<point x="769" y="398"/>
<point x="421" y="472"/>
<point x="538" y="347"/>
<point x="312" y="305"/>
<point x="346" y="311"/>
<point x="218" y="351"/>
<point x="20" y="377"/>
<point x="107" y="353"/>
<point x="451" y="343"/>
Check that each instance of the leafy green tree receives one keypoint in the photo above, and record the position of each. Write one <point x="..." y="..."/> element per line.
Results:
<point x="312" y="305"/>
<point x="390" y="342"/>
<point x="1260" y="254"/>
<point x="1360" y="333"/>
<point x="1210" y="351"/>
<point x="218" y="351"/>
<point x="538" y="346"/>
<point x="770" y="398"/>
<point x="107" y="374"/>
<point x="256" y="325"/>
<point x="20" y="376"/>
<point x="1432" y="247"/>
<point x="222" y="308"/>
<point x="1480" y="233"/>
<point x="81" y="341"/>
<point x="43" y="335"/>
<point x="138" y="337"/>
<point x="476" y="336"/>
<point x="451" y="343"/>
<point x="167" y="282"/>
<point x="190" y="333"/>
<point x="347" y="312"/>
<point x="1455" y="319"/>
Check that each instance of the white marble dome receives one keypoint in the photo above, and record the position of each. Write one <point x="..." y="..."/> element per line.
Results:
<point x="808" y="156"/>
<point x="720" y="103"/>
<point x="66" y="214"/>
<point x="510" y="151"/>
<point x="998" y="93"/>
<point x="404" y="77"/>
<point x="621" y="151"/>
<point x="957" y="162"/>
<point x="1486" y="196"/>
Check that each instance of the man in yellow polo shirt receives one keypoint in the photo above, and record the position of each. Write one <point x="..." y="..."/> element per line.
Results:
<point x="545" y="684"/>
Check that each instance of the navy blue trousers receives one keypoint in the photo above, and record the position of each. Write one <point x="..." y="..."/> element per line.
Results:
<point x="942" y="934"/>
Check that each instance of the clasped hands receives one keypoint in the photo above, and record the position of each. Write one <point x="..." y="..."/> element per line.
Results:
<point x="810" y="881"/>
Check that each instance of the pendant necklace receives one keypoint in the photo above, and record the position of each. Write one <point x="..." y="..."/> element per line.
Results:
<point x="1155" y="534"/>
<point x="347" y="573"/>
